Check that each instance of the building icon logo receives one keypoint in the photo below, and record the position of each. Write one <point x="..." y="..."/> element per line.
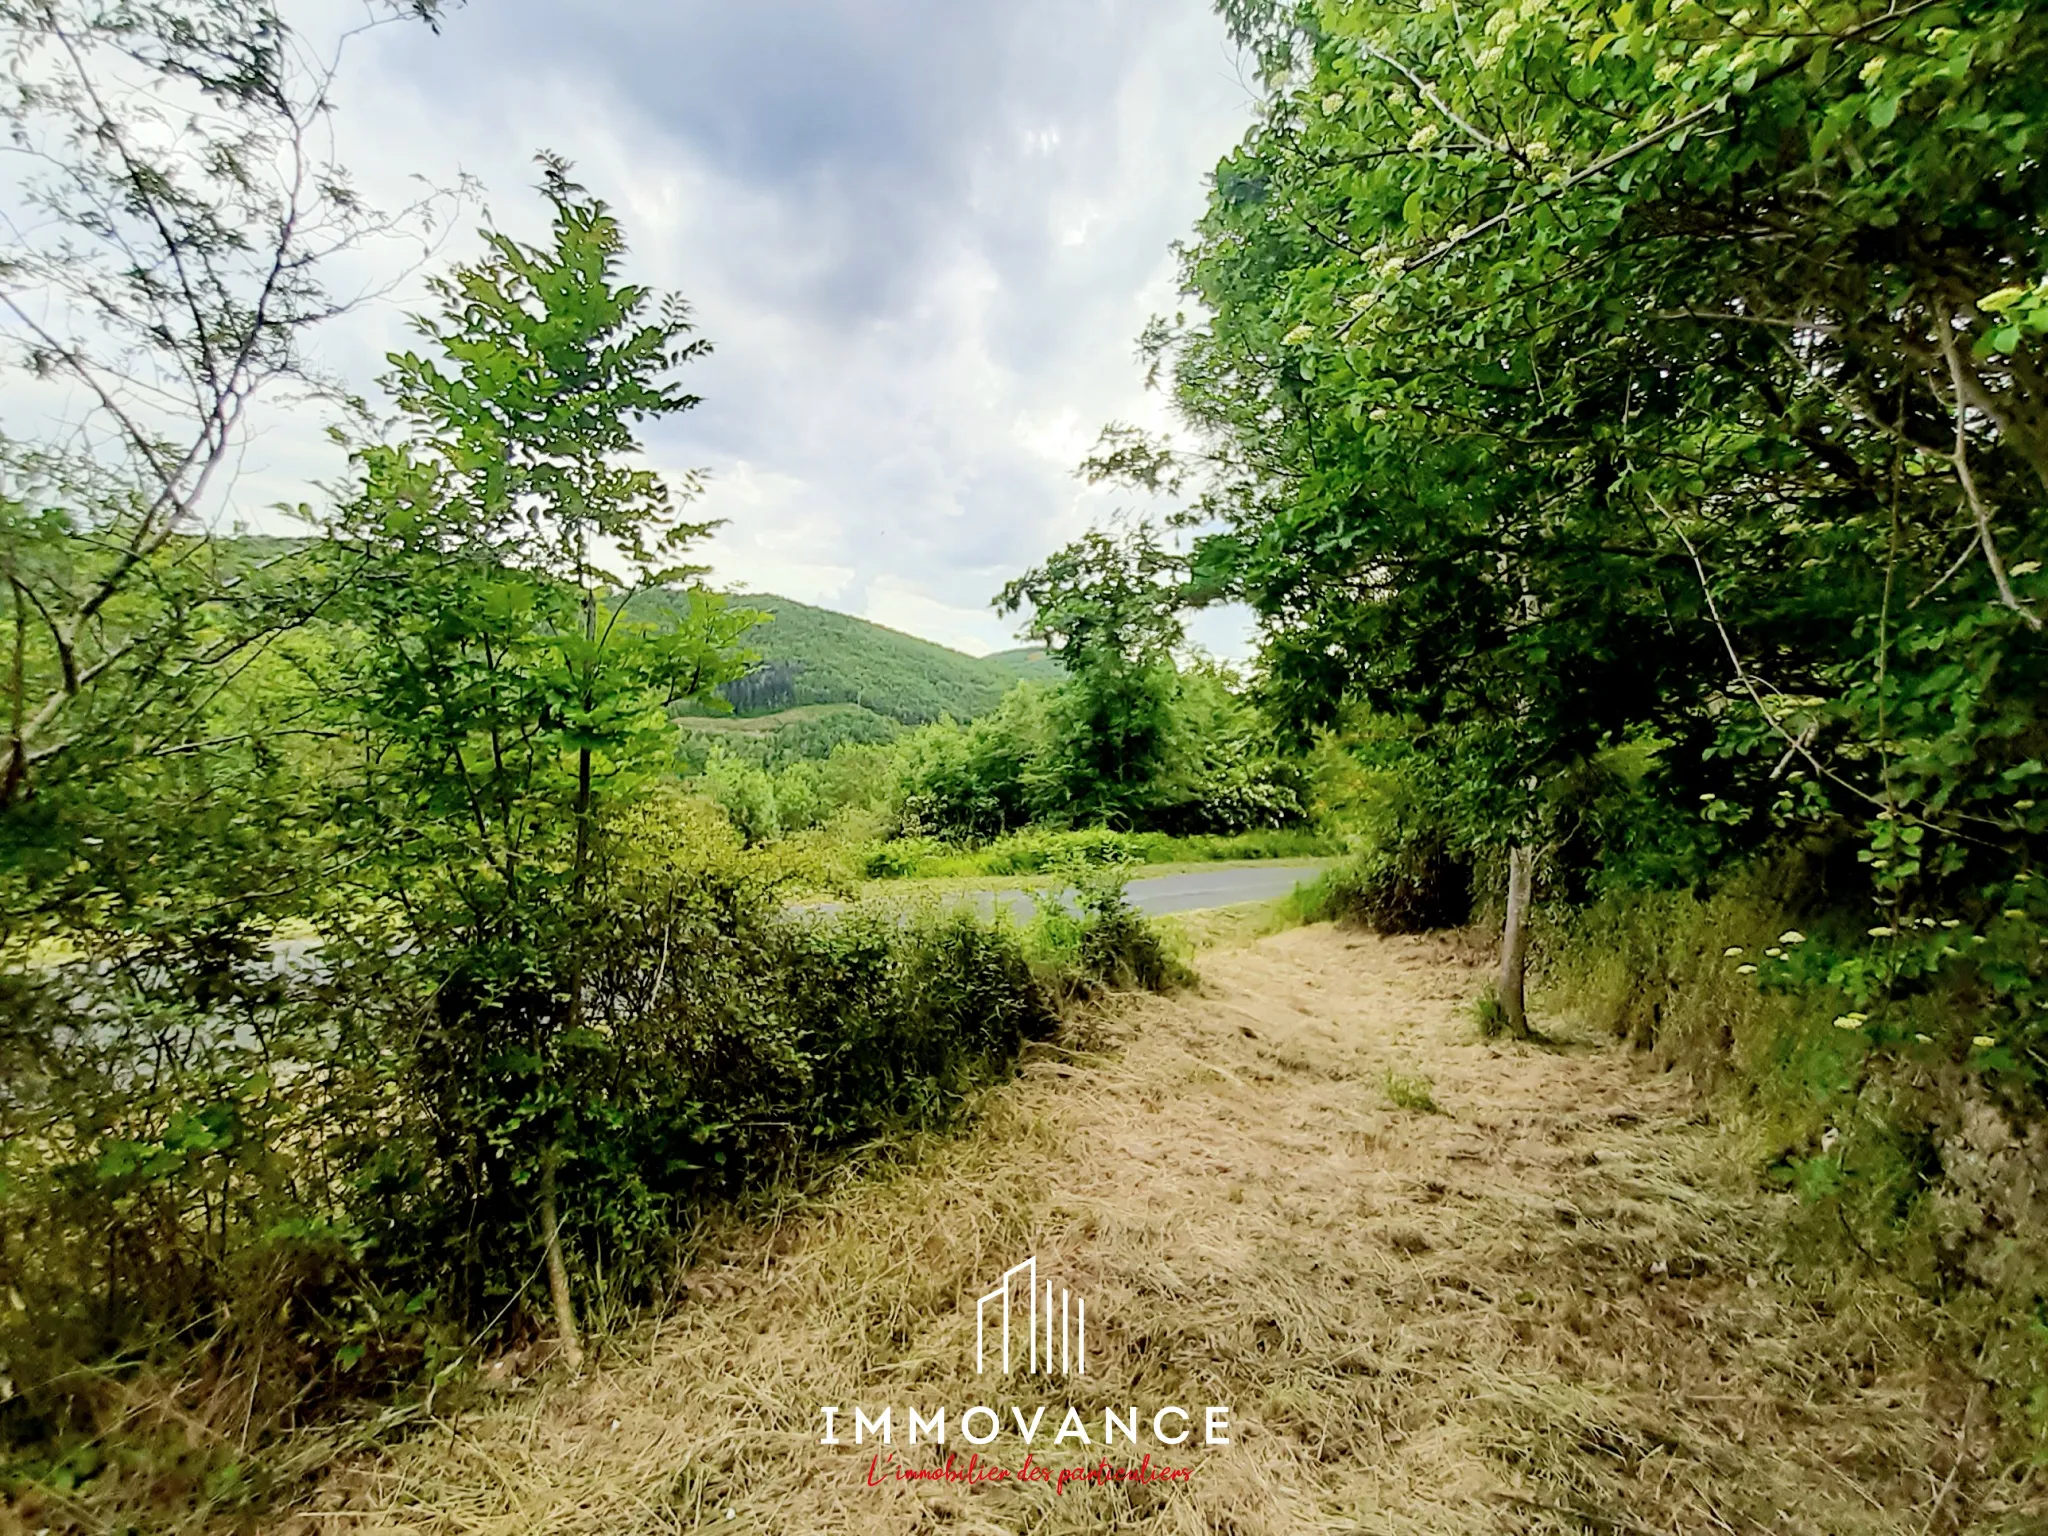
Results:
<point x="1054" y="1324"/>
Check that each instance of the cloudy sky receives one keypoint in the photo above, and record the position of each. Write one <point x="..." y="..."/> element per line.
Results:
<point x="921" y="234"/>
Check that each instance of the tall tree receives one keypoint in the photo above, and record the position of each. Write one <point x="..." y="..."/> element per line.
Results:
<point x="1584" y="372"/>
<point x="177" y="208"/>
<point x="1106" y="608"/>
<point x="505" y="696"/>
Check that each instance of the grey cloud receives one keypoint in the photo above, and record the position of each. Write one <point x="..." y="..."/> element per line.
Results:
<point x="921" y="235"/>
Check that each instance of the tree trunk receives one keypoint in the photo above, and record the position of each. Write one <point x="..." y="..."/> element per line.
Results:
<point x="558" y="1272"/>
<point x="1514" y="939"/>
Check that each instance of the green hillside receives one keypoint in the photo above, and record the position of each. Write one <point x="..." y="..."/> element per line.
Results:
<point x="814" y="656"/>
<point x="1031" y="664"/>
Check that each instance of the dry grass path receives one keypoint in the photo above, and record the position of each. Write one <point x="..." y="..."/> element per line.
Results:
<point x="1546" y="1305"/>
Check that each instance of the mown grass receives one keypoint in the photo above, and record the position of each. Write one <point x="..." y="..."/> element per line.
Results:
<point x="1584" y="1330"/>
<point x="1897" y="1155"/>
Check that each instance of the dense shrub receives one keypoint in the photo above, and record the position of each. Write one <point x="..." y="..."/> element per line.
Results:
<point x="1038" y="850"/>
<point x="303" y="1178"/>
<point x="900" y="857"/>
<point x="1415" y="886"/>
<point x="746" y="793"/>
<point x="1088" y="938"/>
<point x="806" y="734"/>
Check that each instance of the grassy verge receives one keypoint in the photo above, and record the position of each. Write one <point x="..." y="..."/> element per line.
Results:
<point x="1900" y="1154"/>
<point x="1415" y="887"/>
<point x="1036" y="852"/>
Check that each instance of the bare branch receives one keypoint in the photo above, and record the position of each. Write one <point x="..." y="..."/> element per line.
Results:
<point x="1429" y="94"/>
<point x="1945" y="333"/>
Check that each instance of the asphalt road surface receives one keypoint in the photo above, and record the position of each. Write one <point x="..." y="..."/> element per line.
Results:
<point x="1225" y="886"/>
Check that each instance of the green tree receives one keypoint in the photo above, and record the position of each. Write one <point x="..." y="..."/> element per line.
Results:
<point x="1577" y="374"/>
<point x="177" y="212"/>
<point x="1108" y="611"/>
<point x="504" y="698"/>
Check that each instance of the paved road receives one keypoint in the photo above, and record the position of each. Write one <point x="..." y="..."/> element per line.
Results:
<point x="1225" y="886"/>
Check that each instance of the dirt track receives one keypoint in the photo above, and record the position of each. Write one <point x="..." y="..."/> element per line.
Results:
<point x="1546" y="1306"/>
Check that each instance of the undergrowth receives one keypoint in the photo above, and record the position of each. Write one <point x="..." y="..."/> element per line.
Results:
<point x="205" y="1268"/>
<point x="1087" y="938"/>
<point x="1040" y="851"/>
<point x="1416" y="885"/>
<point x="1902" y="1149"/>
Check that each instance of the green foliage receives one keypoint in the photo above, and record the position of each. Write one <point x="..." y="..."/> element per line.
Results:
<point x="1036" y="758"/>
<point x="505" y="701"/>
<point x="1554" y="425"/>
<point x="338" y="1174"/>
<point x="1894" y="1126"/>
<point x="746" y="794"/>
<point x="1415" y="1094"/>
<point x="1416" y="886"/>
<point x="1087" y="937"/>
<point x="1490" y="1015"/>
<point x="1208" y="765"/>
<point x="787" y="737"/>
<point x="984" y="778"/>
<point x="409" y="921"/>
<point x="901" y="857"/>
<point x="359" y="946"/>
<point x="1641" y="410"/>
<point x="1107" y="611"/>
<point x="1028" y="664"/>
<point x="1038" y="851"/>
<point x="166" y="281"/>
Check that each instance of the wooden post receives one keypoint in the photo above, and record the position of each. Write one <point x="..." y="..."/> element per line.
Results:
<point x="1514" y="938"/>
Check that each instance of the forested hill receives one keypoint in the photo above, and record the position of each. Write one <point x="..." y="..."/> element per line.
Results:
<point x="814" y="656"/>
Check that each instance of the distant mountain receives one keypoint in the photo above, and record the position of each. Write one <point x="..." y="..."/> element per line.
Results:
<point x="1032" y="664"/>
<point x="883" y="678"/>
<point x="815" y="656"/>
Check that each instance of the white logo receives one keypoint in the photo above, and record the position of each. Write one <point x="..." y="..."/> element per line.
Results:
<point x="1020" y="1284"/>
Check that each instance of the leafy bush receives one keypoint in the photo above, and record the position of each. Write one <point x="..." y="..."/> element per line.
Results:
<point x="745" y="793"/>
<point x="901" y="857"/>
<point x="1035" y="851"/>
<point x="1088" y="938"/>
<point x="786" y="739"/>
<point x="321" y="1171"/>
<point x="1417" y="886"/>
